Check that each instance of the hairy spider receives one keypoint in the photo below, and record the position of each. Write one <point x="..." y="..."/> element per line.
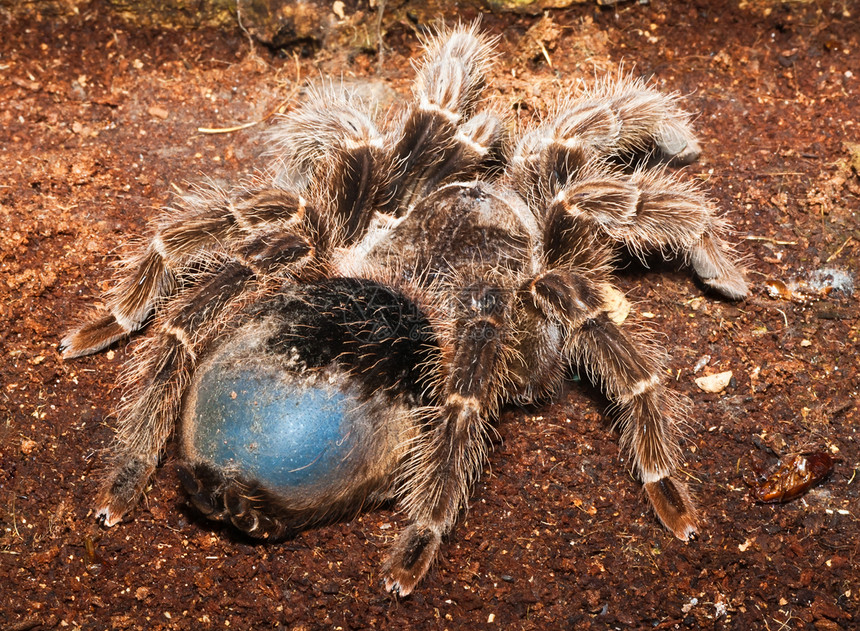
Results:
<point x="344" y="329"/>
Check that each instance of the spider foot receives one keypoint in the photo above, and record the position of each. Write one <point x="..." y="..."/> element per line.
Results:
<point x="92" y="337"/>
<point x="674" y="507"/>
<point x="122" y="490"/>
<point x="676" y="144"/>
<point x="712" y="262"/>
<point x="409" y="559"/>
<point x="205" y="488"/>
<point x="733" y="286"/>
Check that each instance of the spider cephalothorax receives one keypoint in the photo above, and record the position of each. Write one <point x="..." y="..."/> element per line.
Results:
<point x="345" y="329"/>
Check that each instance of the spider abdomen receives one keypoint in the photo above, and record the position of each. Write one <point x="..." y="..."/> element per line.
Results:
<point x="303" y="414"/>
<point x="285" y="431"/>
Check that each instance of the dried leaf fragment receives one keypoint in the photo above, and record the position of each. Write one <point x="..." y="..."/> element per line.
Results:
<point x="793" y="476"/>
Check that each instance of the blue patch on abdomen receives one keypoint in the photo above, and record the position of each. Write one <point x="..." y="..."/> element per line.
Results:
<point x="273" y="426"/>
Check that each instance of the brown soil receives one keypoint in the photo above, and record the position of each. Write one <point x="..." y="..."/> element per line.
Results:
<point x="99" y="129"/>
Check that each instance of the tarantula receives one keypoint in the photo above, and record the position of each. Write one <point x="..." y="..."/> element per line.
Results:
<point x="344" y="330"/>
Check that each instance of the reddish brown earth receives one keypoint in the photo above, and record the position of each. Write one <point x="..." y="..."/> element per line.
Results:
<point x="98" y="128"/>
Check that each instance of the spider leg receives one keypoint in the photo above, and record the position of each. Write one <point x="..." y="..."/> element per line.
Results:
<point x="167" y="361"/>
<point x="340" y="157"/>
<point x="153" y="273"/>
<point x="566" y="161"/>
<point x="619" y="121"/>
<point x="647" y="417"/>
<point x="652" y="211"/>
<point x="446" y="457"/>
<point x="439" y="138"/>
<point x="349" y="168"/>
<point x="645" y="124"/>
<point x="162" y="374"/>
<point x="631" y="378"/>
<point x="675" y="216"/>
<point x="475" y="148"/>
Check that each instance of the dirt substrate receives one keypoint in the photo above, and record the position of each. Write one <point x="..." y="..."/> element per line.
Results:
<point x="99" y="128"/>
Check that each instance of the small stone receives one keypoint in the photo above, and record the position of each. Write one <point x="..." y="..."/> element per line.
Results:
<point x="27" y="446"/>
<point x="715" y="383"/>
<point x="158" y="112"/>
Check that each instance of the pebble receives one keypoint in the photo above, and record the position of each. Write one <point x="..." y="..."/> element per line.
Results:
<point x="714" y="383"/>
<point x="158" y="112"/>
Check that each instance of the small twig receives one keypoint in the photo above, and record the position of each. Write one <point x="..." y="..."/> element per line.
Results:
<point x="272" y="112"/>
<point x="784" y="317"/>
<point x="545" y="53"/>
<point x="242" y="26"/>
<point x="15" y="521"/>
<point x="750" y="237"/>
<point x="227" y="130"/>
<point x="690" y="475"/>
<point x="838" y="251"/>
<point x="380" y="55"/>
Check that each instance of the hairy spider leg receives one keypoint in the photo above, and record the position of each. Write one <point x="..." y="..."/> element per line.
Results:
<point x="627" y="369"/>
<point x="211" y="221"/>
<point x="445" y="459"/>
<point x="167" y="360"/>
<point x="619" y="121"/>
<point x="653" y="211"/>
<point x="646" y="414"/>
<point x="161" y="376"/>
<point x="346" y="160"/>
<point x="438" y="138"/>
<point x="567" y="161"/>
<point x="348" y="181"/>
